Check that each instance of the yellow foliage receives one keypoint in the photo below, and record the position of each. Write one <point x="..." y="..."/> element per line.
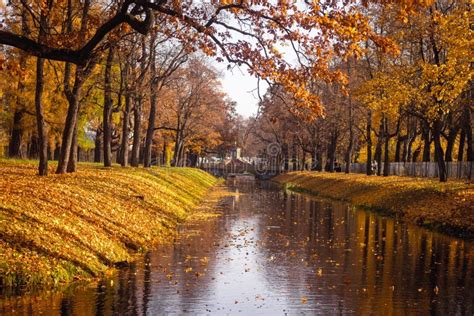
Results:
<point x="78" y="225"/>
<point x="445" y="206"/>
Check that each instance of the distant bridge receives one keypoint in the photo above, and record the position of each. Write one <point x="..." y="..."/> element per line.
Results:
<point x="237" y="167"/>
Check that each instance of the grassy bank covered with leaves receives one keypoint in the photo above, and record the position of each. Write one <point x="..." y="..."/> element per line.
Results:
<point x="447" y="206"/>
<point x="62" y="227"/>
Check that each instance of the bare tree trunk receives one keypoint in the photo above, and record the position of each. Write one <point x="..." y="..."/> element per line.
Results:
<point x="165" y="154"/>
<point x="468" y="130"/>
<point x="40" y="123"/>
<point x="152" y="115"/>
<point x="177" y="149"/>
<point x="68" y="131"/>
<point x="73" y="96"/>
<point x="426" y="142"/>
<point x="14" y="145"/>
<point x="137" y="119"/>
<point x="453" y="133"/>
<point x="443" y="175"/>
<point x="108" y="106"/>
<point x="73" y="156"/>
<point x="462" y="140"/>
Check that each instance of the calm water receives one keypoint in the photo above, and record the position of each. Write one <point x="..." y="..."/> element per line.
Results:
<point x="276" y="253"/>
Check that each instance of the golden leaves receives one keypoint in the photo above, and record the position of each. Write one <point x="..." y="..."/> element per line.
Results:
<point x="80" y="224"/>
<point x="410" y="198"/>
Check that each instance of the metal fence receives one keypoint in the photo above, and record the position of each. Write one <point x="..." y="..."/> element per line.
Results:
<point x="456" y="170"/>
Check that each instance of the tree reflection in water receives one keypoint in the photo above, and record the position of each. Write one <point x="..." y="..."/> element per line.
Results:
<point x="274" y="252"/>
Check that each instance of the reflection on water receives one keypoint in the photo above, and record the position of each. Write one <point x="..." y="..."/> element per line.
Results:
<point x="276" y="252"/>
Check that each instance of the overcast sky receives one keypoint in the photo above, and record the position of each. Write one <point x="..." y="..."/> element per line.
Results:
<point x="241" y="88"/>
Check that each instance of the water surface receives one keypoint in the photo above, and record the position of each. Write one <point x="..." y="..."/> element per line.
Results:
<point x="275" y="253"/>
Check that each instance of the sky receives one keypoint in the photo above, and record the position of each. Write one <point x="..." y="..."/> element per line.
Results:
<point x="241" y="88"/>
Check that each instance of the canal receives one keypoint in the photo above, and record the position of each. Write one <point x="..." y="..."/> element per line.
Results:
<point x="274" y="253"/>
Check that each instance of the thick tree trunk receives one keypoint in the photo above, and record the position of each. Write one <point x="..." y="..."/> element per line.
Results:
<point x="181" y="156"/>
<point x="401" y="144"/>
<point x="137" y="119"/>
<point x="178" y="150"/>
<point x="152" y="115"/>
<point x="69" y="137"/>
<point x="462" y="140"/>
<point x="39" y="111"/>
<point x="468" y="130"/>
<point x="97" y="145"/>
<point x="68" y="132"/>
<point x="443" y="175"/>
<point x="14" y="145"/>
<point x="368" y="135"/>
<point x="40" y="122"/>
<point x="164" y="160"/>
<point x="426" y="135"/>
<point x="150" y="130"/>
<point x="108" y="106"/>
<point x="73" y="155"/>
<point x="453" y="133"/>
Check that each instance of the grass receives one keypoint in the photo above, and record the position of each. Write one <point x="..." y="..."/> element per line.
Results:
<point x="62" y="227"/>
<point x="447" y="207"/>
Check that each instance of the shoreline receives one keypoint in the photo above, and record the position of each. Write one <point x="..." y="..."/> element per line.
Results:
<point x="444" y="207"/>
<point x="81" y="226"/>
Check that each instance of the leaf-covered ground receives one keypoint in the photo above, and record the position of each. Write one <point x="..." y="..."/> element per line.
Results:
<point x="445" y="206"/>
<point x="57" y="228"/>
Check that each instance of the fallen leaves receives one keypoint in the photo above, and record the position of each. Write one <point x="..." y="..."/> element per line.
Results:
<point x="423" y="201"/>
<point x="78" y="225"/>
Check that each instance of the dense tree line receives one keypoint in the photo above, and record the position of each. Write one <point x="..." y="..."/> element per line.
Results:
<point x="412" y="105"/>
<point x="137" y="75"/>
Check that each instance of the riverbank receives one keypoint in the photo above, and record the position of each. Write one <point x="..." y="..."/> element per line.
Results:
<point x="62" y="227"/>
<point x="447" y="207"/>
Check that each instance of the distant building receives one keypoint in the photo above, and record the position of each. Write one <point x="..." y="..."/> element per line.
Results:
<point x="235" y="153"/>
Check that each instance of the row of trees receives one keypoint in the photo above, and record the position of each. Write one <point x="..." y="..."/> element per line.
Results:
<point x="413" y="105"/>
<point x="83" y="47"/>
<point x="173" y="108"/>
<point x="135" y="73"/>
